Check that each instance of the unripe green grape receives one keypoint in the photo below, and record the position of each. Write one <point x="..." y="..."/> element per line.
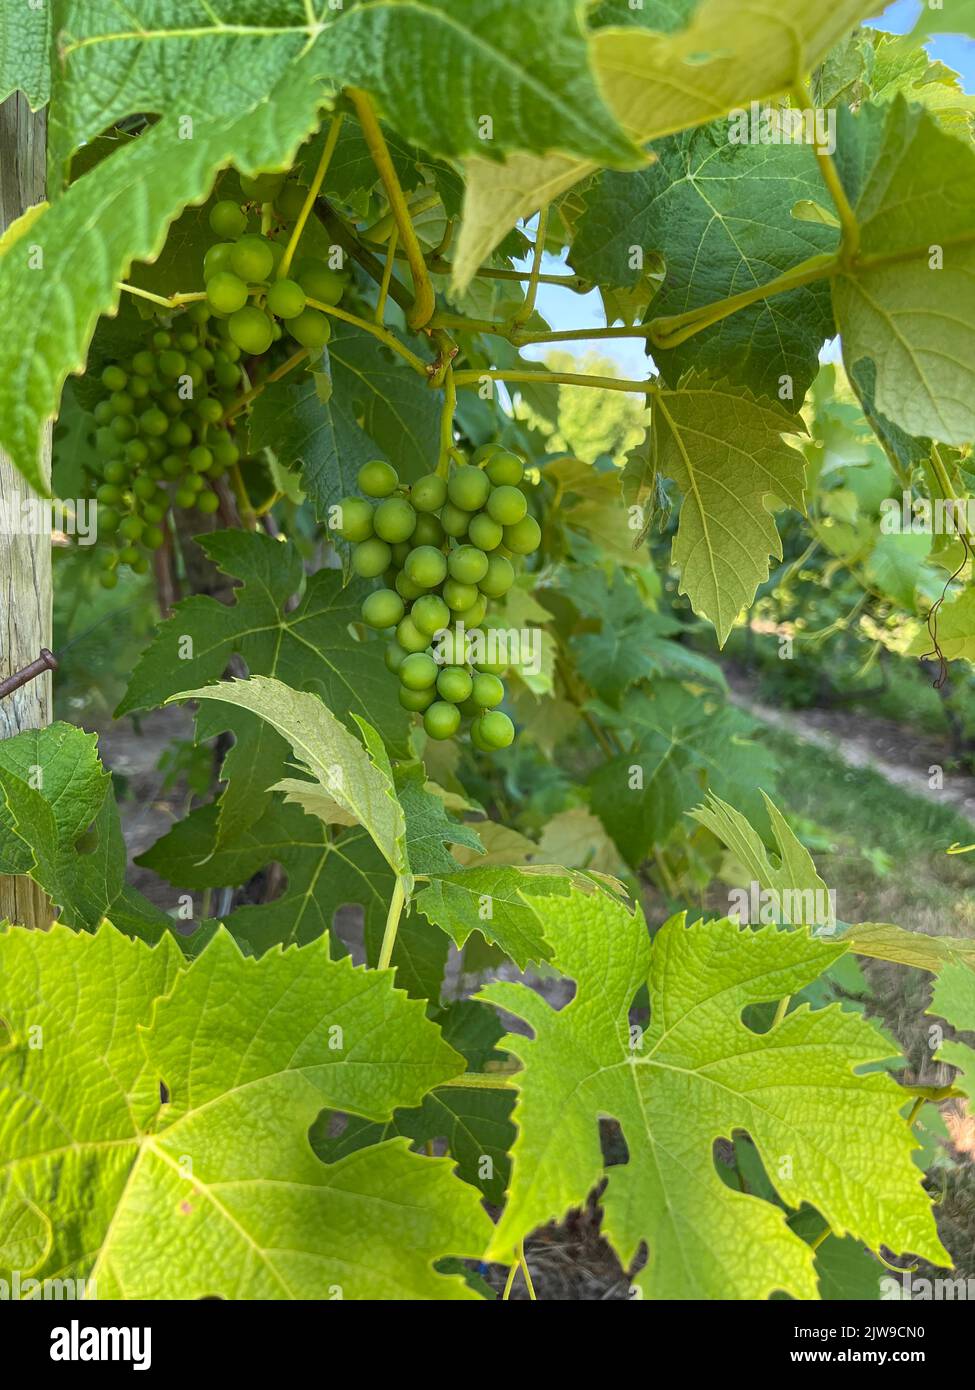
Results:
<point x="417" y="700"/>
<point x="172" y="403"/>
<point x="199" y="459"/>
<point x="289" y="202"/>
<point x="139" y="387"/>
<point x="109" y="494"/>
<point x="524" y="537"/>
<point x="225" y="456"/>
<point x="227" y="374"/>
<point x="173" y="466"/>
<point x="194" y="482"/>
<point x="207" y="503"/>
<point x="144" y="488"/>
<point x="123" y="427"/>
<point x="496" y="729"/>
<point x="310" y="328"/>
<point x="467" y="487"/>
<point x="409" y="636"/>
<point x="459" y="596"/>
<point x="156" y="449"/>
<point x="122" y="403"/>
<point x="251" y="330"/>
<point x="108" y="559"/>
<point x="227" y="219"/>
<point x="419" y="671"/>
<point x="426" y="566"/>
<point x="171" y="364"/>
<point x="251" y="259"/>
<point x="454" y="521"/>
<point x="394" y="656"/>
<point x="449" y="648"/>
<point x="428" y="531"/>
<point x="108" y="579"/>
<point x="467" y="565"/>
<point x="203" y="357"/>
<point x="144" y="363"/>
<point x="476" y="738"/>
<point x="116" y="471"/>
<point x="441" y="720"/>
<point x="131" y="528"/>
<point x="261" y="188"/>
<point x="187" y="342"/>
<point x="384" y="608"/>
<point x="209" y="409"/>
<point x="429" y="493"/>
<point x="153" y="537"/>
<point x="377" y="479"/>
<point x="230" y="349"/>
<point x="108" y="520"/>
<point x="507" y="505"/>
<point x="454" y="684"/>
<point x="153" y="421"/>
<point x="198" y="313"/>
<point x="114" y="378"/>
<point x="195" y="373"/>
<point x="161" y="339"/>
<point x="104" y="413"/>
<point x="140" y="565"/>
<point x="406" y="589"/>
<point x="484" y="531"/>
<point x="474" y="615"/>
<point x="286" y="298"/>
<point x="319" y="281"/>
<point x="395" y="520"/>
<point x="371" y="558"/>
<point x="184" y="497"/>
<point x="504" y="469"/>
<point x="107" y="441"/>
<point x="429" y="614"/>
<point x="483" y="452"/>
<point x="217" y="260"/>
<point x="153" y="513"/>
<point x="128" y="555"/>
<point x="487" y="690"/>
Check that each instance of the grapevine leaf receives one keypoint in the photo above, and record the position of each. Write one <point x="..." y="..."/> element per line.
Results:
<point x="908" y="304"/>
<point x="430" y="827"/>
<point x="696" y="1074"/>
<point x="954" y="999"/>
<point x="497" y="901"/>
<point x="724" y="450"/>
<point x="955" y="630"/>
<point x="688" y="207"/>
<point x="25" y="42"/>
<point x="726" y="53"/>
<point x="348" y="773"/>
<point x="215" y="1191"/>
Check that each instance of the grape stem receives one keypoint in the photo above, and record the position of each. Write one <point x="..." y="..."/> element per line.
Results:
<point x="524" y="311"/>
<point x="475" y="376"/>
<point x="331" y="140"/>
<point x="380" y="313"/>
<point x="172" y="302"/>
<point x="243" y="401"/>
<point x="849" y="225"/>
<point x="447" y="421"/>
<point x="377" y="331"/>
<point x="424" y="300"/>
<point x="244" y="504"/>
<point x="392" y="923"/>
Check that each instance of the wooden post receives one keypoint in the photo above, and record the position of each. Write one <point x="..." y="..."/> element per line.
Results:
<point x="25" y="558"/>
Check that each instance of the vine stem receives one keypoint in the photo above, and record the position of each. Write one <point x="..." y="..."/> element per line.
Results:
<point x="377" y="331"/>
<point x="525" y="311"/>
<point x="380" y="313"/>
<point x="473" y="376"/>
<point x="447" y="421"/>
<point x="243" y="401"/>
<point x="172" y="302"/>
<point x="783" y="1004"/>
<point x="392" y="923"/>
<point x="849" y="225"/>
<point x="244" y="504"/>
<point x="424" y="300"/>
<point x="331" y="140"/>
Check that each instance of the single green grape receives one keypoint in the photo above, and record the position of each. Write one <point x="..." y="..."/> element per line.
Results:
<point x="251" y="330"/>
<point x="122" y="403"/>
<point x="496" y="729"/>
<point x="217" y="260"/>
<point x="108" y="579"/>
<point x="459" y="596"/>
<point x="131" y="527"/>
<point x="179" y="434"/>
<point x="428" y="531"/>
<point x="394" y="656"/>
<point x="430" y="613"/>
<point x="153" y="538"/>
<point x="524" y="537"/>
<point x="487" y="690"/>
<point x="143" y="363"/>
<point x="406" y="589"/>
<point x="114" y="378"/>
<point x="319" y="281"/>
<point x="454" y="521"/>
<point x="289" y="202"/>
<point x="483" y="452"/>
<point x="103" y="411"/>
<point x="198" y="313"/>
<point x="449" y="648"/>
<point x="418" y="671"/>
<point x="507" y="505"/>
<point x="207" y="503"/>
<point x="441" y="720"/>
<point x="474" y="615"/>
<point x="184" y="498"/>
<point x="116" y="471"/>
<point x="429" y="493"/>
<point x="371" y="558"/>
<point x="144" y="488"/>
<point x="286" y="298"/>
<point x="123" y="427"/>
<point x="128" y="555"/>
<point x="454" y="684"/>
<point x="209" y="409"/>
<point x="153" y="513"/>
<point x="384" y="608"/>
<point x="173" y="465"/>
<point x="108" y="520"/>
<point x="426" y="566"/>
<point x="476" y="738"/>
<point x="172" y="364"/>
<point x="417" y="700"/>
<point x="261" y="188"/>
<point x="468" y="487"/>
<point x="199" y="459"/>
<point x="251" y="259"/>
<point x="484" y="532"/>
<point x="467" y="564"/>
<point x="161" y="339"/>
<point x="409" y="636"/>
<point x="153" y="421"/>
<point x="504" y="469"/>
<point x="377" y="479"/>
<point x="109" y="494"/>
<point x="310" y="328"/>
<point x="395" y="520"/>
<point x="227" y="219"/>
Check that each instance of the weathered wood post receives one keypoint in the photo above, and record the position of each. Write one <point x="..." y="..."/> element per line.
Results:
<point x="25" y="557"/>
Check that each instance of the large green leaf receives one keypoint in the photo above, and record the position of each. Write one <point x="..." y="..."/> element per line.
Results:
<point x="499" y="901"/>
<point x="724" y="54"/>
<point x="912" y="187"/>
<point x="25" y="62"/>
<point x="724" y="450"/>
<point x="358" y="778"/>
<point x="954" y="999"/>
<point x="214" y="1190"/>
<point x="56" y="281"/>
<point x="690" y="207"/>
<point x="826" y="1135"/>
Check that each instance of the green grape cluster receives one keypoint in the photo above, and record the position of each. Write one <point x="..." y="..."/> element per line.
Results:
<point x="444" y="548"/>
<point x="160" y="437"/>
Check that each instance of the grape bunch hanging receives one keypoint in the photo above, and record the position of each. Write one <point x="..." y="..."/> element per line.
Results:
<point x="444" y="547"/>
<point x="162" y="435"/>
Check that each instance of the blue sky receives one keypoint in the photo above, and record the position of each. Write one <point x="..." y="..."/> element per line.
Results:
<point x="563" y="309"/>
